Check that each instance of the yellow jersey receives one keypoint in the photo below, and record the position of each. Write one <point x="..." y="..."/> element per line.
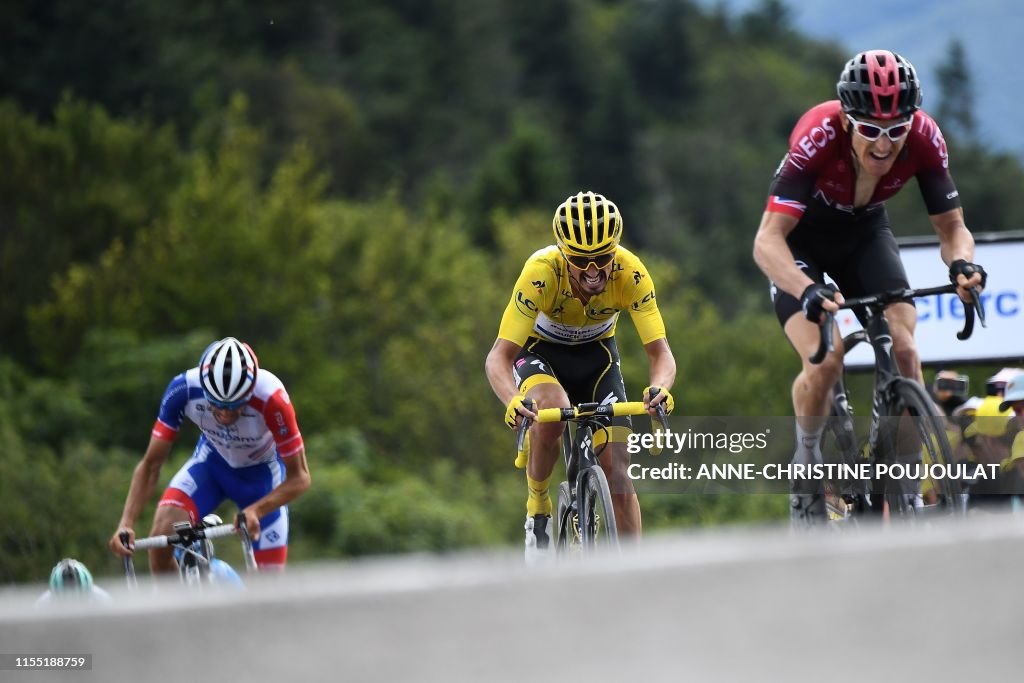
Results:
<point x="543" y="305"/>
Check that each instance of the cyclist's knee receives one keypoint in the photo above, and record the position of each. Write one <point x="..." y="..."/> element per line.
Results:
<point x="616" y="469"/>
<point x="620" y="483"/>
<point x="549" y="394"/>
<point x="905" y="350"/>
<point x="166" y="517"/>
<point x="545" y="436"/>
<point x="823" y="375"/>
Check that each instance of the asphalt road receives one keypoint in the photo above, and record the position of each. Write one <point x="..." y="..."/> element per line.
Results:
<point x="929" y="604"/>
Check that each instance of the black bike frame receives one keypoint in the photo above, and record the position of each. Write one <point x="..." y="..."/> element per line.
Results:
<point x="579" y="451"/>
<point x="877" y="333"/>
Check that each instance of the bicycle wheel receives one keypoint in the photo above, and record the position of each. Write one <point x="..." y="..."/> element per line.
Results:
<point x="597" y="518"/>
<point x="935" y="444"/>
<point x="927" y="426"/>
<point x="567" y="534"/>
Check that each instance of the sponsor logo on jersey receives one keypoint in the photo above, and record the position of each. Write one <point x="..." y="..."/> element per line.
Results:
<point x="782" y="164"/>
<point x="648" y="298"/>
<point x="594" y="313"/>
<point x="525" y="305"/>
<point x="808" y="145"/>
<point x="551" y="330"/>
<point x="831" y="203"/>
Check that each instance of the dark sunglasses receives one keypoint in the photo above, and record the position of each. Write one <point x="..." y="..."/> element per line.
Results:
<point x="870" y="131"/>
<point x="583" y="262"/>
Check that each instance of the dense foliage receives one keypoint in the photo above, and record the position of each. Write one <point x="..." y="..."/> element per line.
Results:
<point x="352" y="187"/>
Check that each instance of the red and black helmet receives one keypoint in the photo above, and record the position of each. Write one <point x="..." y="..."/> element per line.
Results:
<point x="879" y="84"/>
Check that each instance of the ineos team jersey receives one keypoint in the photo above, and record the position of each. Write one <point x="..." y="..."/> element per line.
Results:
<point x="543" y="305"/>
<point x="267" y="420"/>
<point x="816" y="180"/>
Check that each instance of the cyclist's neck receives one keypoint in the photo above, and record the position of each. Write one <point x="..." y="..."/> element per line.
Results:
<point x="583" y="297"/>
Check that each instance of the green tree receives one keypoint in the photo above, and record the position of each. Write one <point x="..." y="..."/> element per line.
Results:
<point x="955" y="110"/>
<point x="69" y="189"/>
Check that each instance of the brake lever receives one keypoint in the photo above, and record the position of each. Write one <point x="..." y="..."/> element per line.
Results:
<point x="524" y="425"/>
<point x="970" y="311"/>
<point x="129" y="564"/>
<point x="659" y="410"/>
<point x="826" y="344"/>
<point x="976" y="300"/>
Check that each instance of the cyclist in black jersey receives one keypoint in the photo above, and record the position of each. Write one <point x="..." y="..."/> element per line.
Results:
<point x="826" y="214"/>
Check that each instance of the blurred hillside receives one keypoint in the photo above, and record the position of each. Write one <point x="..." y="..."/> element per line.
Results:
<point x="353" y="187"/>
<point x="923" y="31"/>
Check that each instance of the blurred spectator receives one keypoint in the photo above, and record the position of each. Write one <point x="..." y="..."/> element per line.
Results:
<point x="990" y="436"/>
<point x="1013" y="467"/>
<point x="950" y="390"/>
<point x="1013" y="396"/>
<point x="996" y="384"/>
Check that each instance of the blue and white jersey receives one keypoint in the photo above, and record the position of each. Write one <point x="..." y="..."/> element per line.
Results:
<point x="266" y="428"/>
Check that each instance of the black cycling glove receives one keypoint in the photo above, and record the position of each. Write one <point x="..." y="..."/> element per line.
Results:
<point x="962" y="267"/>
<point x="812" y="298"/>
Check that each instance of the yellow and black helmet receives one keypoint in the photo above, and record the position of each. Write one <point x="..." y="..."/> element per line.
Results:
<point x="587" y="224"/>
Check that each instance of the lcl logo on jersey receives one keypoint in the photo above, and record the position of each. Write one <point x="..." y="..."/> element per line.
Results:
<point x="525" y="306"/>
<point x="638" y="304"/>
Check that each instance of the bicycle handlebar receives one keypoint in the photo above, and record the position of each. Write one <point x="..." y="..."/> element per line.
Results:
<point x="586" y="410"/>
<point x="825" y="341"/>
<point x="591" y="410"/>
<point x="151" y="542"/>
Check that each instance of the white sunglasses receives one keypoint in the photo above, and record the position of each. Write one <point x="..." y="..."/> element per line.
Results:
<point x="870" y="131"/>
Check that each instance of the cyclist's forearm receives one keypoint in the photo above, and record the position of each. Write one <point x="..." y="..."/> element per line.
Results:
<point x="144" y="480"/>
<point x="296" y="482"/>
<point x="955" y="240"/>
<point x="662" y="364"/>
<point x="503" y="386"/>
<point x="288" y="491"/>
<point x="498" y="368"/>
<point x="774" y="257"/>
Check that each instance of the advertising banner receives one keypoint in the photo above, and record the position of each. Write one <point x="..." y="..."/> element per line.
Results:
<point x="939" y="318"/>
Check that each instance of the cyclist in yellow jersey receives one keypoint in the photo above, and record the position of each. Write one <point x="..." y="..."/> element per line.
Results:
<point x="556" y="346"/>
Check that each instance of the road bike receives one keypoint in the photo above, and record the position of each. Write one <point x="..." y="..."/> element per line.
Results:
<point x="896" y="403"/>
<point x="194" y="551"/>
<point x="585" y="518"/>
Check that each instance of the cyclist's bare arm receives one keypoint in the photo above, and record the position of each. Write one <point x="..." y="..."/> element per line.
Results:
<point x="498" y="367"/>
<point x="662" y="366"/>
<point x="956" y="242"/>
<point x="774" y="258"/>
<point x="144" y="480"/>
<point x="296" y="482"/>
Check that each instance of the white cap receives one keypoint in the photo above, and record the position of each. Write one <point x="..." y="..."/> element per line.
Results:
<point x="1014" y="391"/>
